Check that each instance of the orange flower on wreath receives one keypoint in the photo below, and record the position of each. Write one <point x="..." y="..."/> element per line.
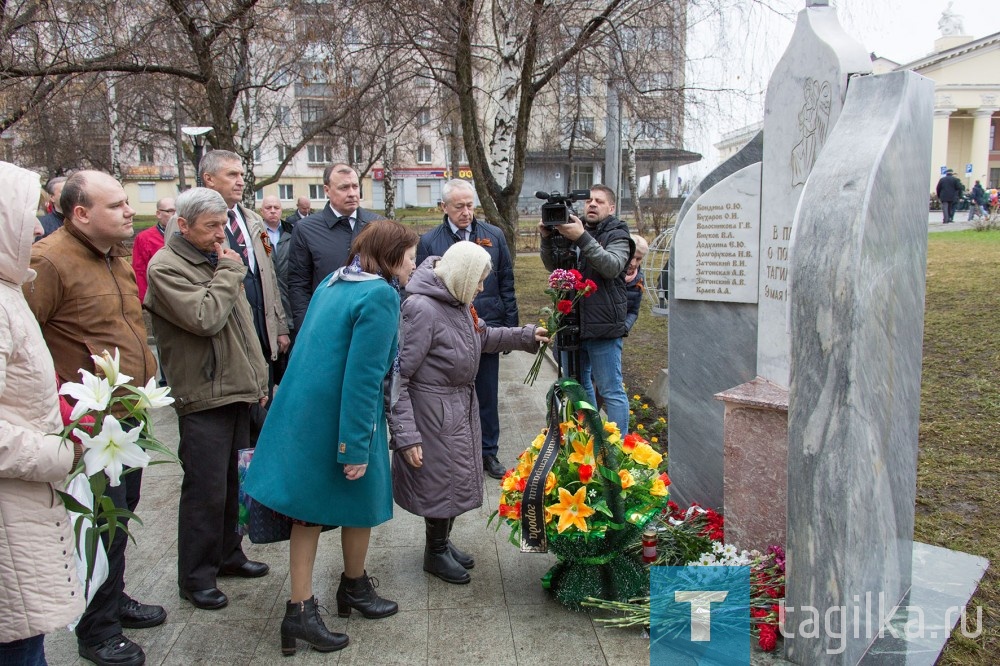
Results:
<point x="583" y="454"/>
<point x="572" y="510"/>
<point x="626" y="478"/>
<point x="630" y="441"/>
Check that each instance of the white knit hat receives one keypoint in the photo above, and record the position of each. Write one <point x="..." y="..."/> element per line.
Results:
<point x="461" y="268"/>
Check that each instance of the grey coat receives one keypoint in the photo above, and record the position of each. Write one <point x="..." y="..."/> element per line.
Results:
<point x="437" y="407"/>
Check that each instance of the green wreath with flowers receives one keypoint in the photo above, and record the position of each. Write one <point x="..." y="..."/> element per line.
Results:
<point x="597" y="496"/>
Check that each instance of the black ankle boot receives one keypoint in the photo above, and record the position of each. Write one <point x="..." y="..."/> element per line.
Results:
<point x="359" y="594"/>
<point x="438" y="559"/>
<point x="461" y="557"/>
<point x="302" y="620"/>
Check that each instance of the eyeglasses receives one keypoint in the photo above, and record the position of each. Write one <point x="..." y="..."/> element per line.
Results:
<point x="166" y="210"/>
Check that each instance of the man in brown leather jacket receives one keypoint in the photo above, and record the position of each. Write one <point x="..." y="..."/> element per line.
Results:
<point x="86" y="301"/>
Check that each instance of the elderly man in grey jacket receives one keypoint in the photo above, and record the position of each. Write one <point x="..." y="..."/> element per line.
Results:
<point x="205" y="330"/>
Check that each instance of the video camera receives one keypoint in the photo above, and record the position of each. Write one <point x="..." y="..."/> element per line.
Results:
<point x="557" y="208"/>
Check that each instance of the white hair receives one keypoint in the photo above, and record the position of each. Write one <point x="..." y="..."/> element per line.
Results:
<point x="192" y="204"/>
<point x="456" y="184"/>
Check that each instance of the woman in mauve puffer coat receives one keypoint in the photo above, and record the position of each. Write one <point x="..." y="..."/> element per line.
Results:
<point x="39" y="591"/>
<point x="437" y="469"/>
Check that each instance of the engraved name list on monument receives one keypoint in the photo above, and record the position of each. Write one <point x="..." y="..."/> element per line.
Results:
<point x="717" y="246"/>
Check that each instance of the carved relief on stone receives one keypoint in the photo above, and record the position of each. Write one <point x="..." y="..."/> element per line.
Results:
<point x="942" y="101"/>
<point x="988" y="100"/>
<point x="814" y="122"/>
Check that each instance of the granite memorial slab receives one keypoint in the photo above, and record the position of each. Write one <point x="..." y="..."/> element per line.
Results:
<point x="804" y="98"/>
<point x="713" y="343"/>
<point x="857" y="271"/>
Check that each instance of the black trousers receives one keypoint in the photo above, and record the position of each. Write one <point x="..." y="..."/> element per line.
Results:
<point x="101" y="620"/>
<point x="487" y="380"/>
<point x="209" y="506"/>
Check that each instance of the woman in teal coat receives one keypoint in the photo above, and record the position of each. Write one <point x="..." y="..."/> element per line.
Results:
<point x="322" y="457"/>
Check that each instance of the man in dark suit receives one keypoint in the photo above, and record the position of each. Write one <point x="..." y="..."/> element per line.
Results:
<point x="949" y="193"/>
<point x="303" y="209"/>
<point x="222" y="171"/>
<point x="321" y="242"/>
<point x="496" y="304"/>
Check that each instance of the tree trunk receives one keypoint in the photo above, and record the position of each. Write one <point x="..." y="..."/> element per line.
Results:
<point x="633" y="184"/>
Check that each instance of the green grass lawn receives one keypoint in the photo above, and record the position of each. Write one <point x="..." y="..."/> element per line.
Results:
<point x="958" y="475"/>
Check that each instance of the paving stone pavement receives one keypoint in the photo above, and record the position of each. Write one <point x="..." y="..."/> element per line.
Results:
<point x="502" y="617"/>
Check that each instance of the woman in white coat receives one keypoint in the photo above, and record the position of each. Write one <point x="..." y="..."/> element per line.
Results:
<point x="39" y="591"/>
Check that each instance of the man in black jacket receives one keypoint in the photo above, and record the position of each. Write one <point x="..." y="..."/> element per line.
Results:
<point x="321" y="242"/>
<point x="949" y="192"/>
<point x="603" y="248"/>
<point x="303" y="209"/>
<point x="496" y="305"/>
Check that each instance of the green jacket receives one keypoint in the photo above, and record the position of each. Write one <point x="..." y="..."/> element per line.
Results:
<point x="204" y="329"/>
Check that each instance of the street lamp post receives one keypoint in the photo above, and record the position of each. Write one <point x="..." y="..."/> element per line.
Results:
<point x="198" y="135"/>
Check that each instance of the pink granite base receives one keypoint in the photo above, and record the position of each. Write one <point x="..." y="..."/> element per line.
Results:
<point x="755" y="434"/>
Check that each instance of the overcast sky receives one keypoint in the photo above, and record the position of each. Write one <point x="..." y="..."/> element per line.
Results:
<point x="732" y="56"/>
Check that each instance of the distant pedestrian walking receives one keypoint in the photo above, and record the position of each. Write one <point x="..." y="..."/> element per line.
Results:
<point x="949" y="192"/>
<point x="978" y="195"/>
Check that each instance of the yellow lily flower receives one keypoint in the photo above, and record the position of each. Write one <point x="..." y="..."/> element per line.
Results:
<point x="644" y="454"/>
<point x="550" y="483"/>
<point x="583" y="454"/>
<point x="572" y="510"/>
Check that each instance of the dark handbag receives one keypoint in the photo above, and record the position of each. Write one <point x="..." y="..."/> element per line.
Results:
<point x="260" y="523"/>
<point x="267" y="525"/>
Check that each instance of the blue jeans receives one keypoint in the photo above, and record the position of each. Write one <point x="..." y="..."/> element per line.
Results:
<point x="602" y="360"/>
<point x="25" y="652"/>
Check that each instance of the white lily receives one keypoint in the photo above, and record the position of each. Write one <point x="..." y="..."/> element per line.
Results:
<point x="152" y="395"/>
<point x="112" y="449"/>
<point x="92" y="395"/>
<point x="110" y="365"/>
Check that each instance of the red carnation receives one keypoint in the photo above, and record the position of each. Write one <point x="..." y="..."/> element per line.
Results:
<point x="586" y="473"/>
<point x="564" y="306"/>
<point x="768" y="637"/>
<point x="588" y="288"/>
<point x="577" y="275"/>
<point x="758" y="612"/>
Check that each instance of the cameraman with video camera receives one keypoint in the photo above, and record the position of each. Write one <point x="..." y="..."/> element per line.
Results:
<point x="602" y="247"/>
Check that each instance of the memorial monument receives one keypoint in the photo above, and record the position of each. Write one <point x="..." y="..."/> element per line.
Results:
<point x="796" y="325"/>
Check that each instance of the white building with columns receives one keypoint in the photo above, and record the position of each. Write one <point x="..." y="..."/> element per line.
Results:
<point x="966" y="74"/>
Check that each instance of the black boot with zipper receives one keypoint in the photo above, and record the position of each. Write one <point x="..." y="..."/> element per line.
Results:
<point x="302" y="621"/>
